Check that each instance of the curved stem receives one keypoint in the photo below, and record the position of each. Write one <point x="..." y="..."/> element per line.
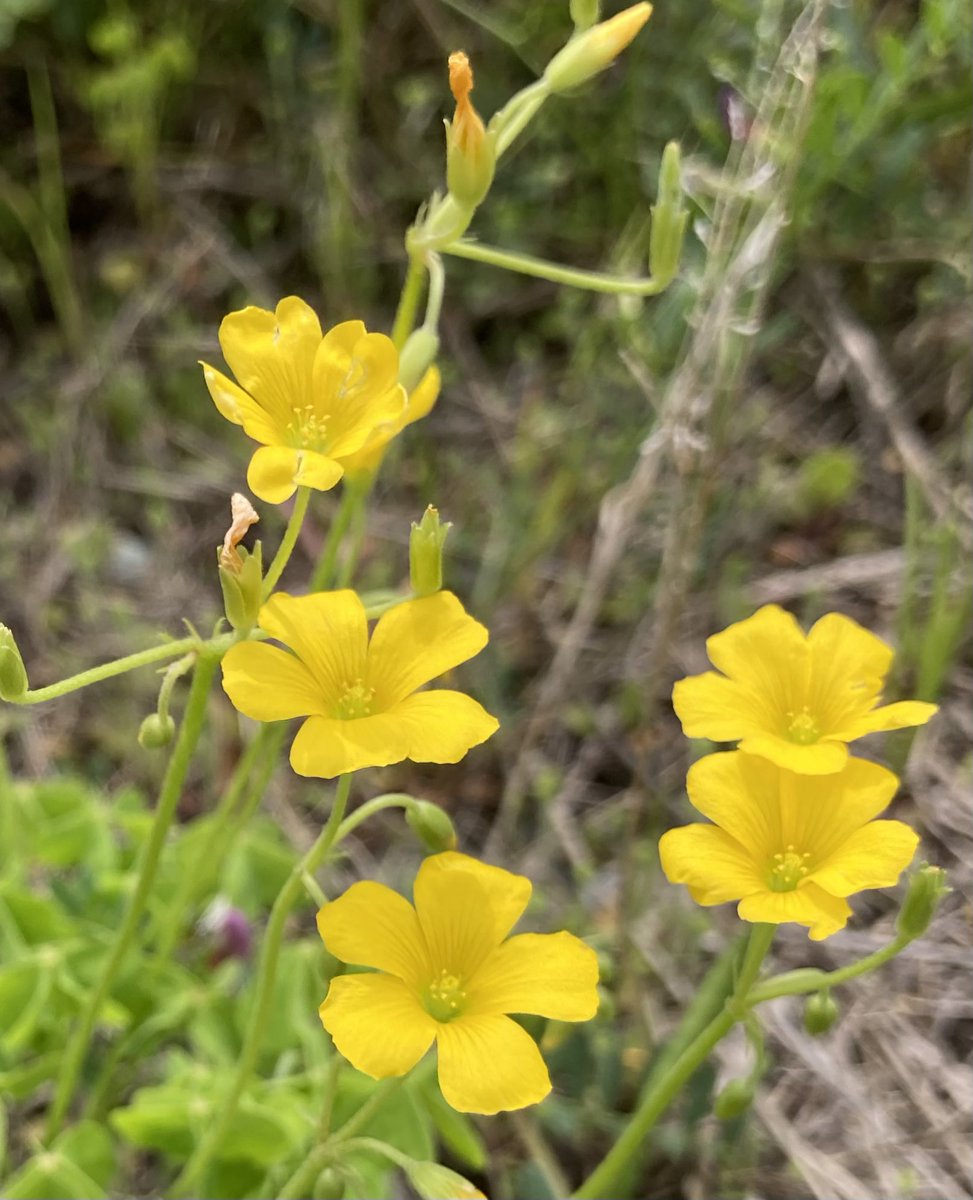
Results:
<point x="325" y="568"/>
<point x="434" y="300"/>
<point x="526" y="264"/>
<point x="289" y="540"/>
<point x="170" y="792"/>
<point x="517" y="114"/>
<point x="369" y="809"/>
<point x="797" y="983"/>
<point x="604" y="1180"/>
<point x="194" y="1173"/>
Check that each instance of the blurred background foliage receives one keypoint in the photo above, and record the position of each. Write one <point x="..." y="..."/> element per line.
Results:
<point x="164" y="162"/>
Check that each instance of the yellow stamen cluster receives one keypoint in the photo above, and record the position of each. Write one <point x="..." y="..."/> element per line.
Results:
<point x="802" y="728"/>
<point x="445" y="997"/>
<point x="787" y="870"/>
<point x="308" y="430"/>
<point x="355" y="702"/>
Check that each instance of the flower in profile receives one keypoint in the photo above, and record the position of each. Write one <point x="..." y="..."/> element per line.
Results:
<point x="788" y="847"/>
<point x="361" y="696"/>
<point x="794" y="699"/>
<point x="311" y="400"/>
<point x="366" y="461"/>
<point x="447" y="972"/>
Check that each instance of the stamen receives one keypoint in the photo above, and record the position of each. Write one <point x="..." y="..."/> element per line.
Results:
<point x="787" y="869"/>
<point x="444" y="997"/>
<point x="356" y="701"/>
<point x="802" y="728"/>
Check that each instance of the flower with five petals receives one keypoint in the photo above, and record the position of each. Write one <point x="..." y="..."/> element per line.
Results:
<point x="794" y="699"/>
<point x="360" y="696"/>
<point x="445" y="971"/>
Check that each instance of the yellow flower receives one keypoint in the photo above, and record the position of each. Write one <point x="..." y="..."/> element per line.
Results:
<point x="792" y="698"/>
<point x="788" y="847"/>
<point x="360" y="696"/>
<point x="421" y="399"/>
<point x="446" y="974"/>
<point x="311" y="400"/>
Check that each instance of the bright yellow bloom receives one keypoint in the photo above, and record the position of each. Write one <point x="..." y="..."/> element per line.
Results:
<point x="311" y="400"/>
<point x="792" y="698"/>
<point x="360" y="696"/>
<point x="789" y="847"/>
<point x="419" y="404"/>
<point x="446" y="974"/>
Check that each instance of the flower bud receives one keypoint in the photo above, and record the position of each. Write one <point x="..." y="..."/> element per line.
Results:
<point x="820" y="1013"/>
<point x="595" y="49"/>
<point x="927" y="887"/>
<point x="669" y="219"/>
<point x="434" y="1182"/>
<point x="416" y="356"/>
<point x="13" y="674"/>
<point x="227" y="930"/>
<point x="431" y="825"/>
<point x="584" y="13"/>
<point x="156" y="731"/>
<point x="426" y="543"/>
<point x="242" y="587"/>
<point x="734" y="1099"/>
<point x="471" y="152"/>
<point x="329" y="1185"/>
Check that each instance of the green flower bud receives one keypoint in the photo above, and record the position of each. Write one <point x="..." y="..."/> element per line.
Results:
<point x="426" y="543"/>
<point x="417" y="356"/>
<point x="584" y="13"/>
<point x="242" y="584"/>
<point x="329" y="1185"/>
<point x="595" y="49"/>
<point x="13" y="674"/>
<point x="734" y="1099"/>
<point x="820" y="1013"/>
<point x="156" y="731"/>
<point x="434" y="1182"/>
<point x="669" y="219"/>
<point x="431" y="825"/>
<point x="927" y="887"/>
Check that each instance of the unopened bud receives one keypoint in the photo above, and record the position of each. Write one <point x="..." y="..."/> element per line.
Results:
<point x="471" y="153"/>
<point x="584" y="13"/>
<point x="595" y="49"/>
<point x="242" y="586"/>
<point x="426" y="543"/>
<point x="329" y="1185"/>
<point x="820" y="1013"/>
<point x="927" y="888"/>
<point x="156" y="731"/>
<point x="416" y="356"/>
<point x="431" y="825"/>
<point x="227" y="930"/>
<point x="734" y="1099"/>
<point x="14" y="684"/>
<point x="669" y="219"/>
<point x="434" y="1182"/>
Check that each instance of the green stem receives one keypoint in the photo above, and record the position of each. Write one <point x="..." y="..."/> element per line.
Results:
<point x="517" y="114"/>
<point x="539" y="268"/>
<point x="325" y="569"/>
<point x="405" y="314"/>
<point x="623" y="1156"/>
<point x="798" y="983"/>
<point x="131" y="662"/>
<point x="359" y="522"/>
<point x="288" y="542"/>
<point x="194" y="1173"/>
<point x="369" y="809"/>
<point x="434" y="299"/>
<point x="172" y="784"/>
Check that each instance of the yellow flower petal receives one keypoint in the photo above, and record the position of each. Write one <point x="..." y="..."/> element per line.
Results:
<point x="819" y="814"/>
<point x="417" y="641"/>
<point x="235" y="405"/>
<point x="356" y="382"/>
<point x="326" y="747"/>
<point x="489" y="1064"/>
<point x="553" y="975"/>
<point x="508" y="894"/>
<point x="276" y="472"/>
<point x="848" y="669"/>
<point x="768" y="654"/>
<point x="372" y="926"/>
<point x="821" y="758"/>
<point x="328" y="631"/>
<point x="711" y="706"/>
<point x="456" y="918"/>
<point x="420" y="402"/>
<point x="740" y="794"/>
<point x="441" y="726"/>
<point x="272" y="354"/>
<point x="377" y="1023"/>
<point x="268" y="684"/>
<point x="809" y="905"/>
<point x="901" y="715"/>
<point x="872" y="857"/>
<point x="423" y="396"/>
<point x="715" y="867"/>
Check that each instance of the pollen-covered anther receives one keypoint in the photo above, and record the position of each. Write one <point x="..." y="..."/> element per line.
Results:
<point x="787" y="870"/>
<point x="445" y="996"/>
<point x="356" y="701"/>
<point x="802" y="728"/>
<point x="308" y="430"/>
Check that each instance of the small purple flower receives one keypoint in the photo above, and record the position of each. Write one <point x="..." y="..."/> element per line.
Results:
<point x="227" y="931"/>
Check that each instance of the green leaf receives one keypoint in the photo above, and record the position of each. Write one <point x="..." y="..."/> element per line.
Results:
<point x="51" y="1174"/>
<point x="456" y="1130"/>
<point x="24" y="989"/>
<point x="89" y="1146"/>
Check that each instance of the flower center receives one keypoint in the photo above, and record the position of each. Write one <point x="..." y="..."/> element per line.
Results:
<point x="355" y="702"/>
<point x="802" y="728"/>
<point x="444" y="997"/>
<point x="308" y="430"/>
<point x="787" y="870"/>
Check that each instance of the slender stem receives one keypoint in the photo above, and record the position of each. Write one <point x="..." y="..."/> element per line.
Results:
<point x="289" y="540"/>
<point x="374" y="1146"/>
<point x="171" y="790"/>
<point x="369" y="809"/>
<point x="434" y="300"/>
<point x="526" y="264"/>
<point x="194" y="1173"/>
<point x="359" y="522"/>
<point x="405" y="314"/>
<point x="174" y="672"/>
<point x="517" y="114"/>
<point x="797" y="983"/>
<point x="324" y="571"/>
<point x="330" y="1095"/>
<point x="364" y="1113"/>
<point x="605" y="1179"/>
